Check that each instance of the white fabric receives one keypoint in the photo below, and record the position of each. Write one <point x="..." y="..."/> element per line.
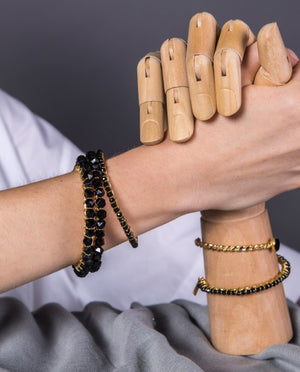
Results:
<point x="164" y="267"/>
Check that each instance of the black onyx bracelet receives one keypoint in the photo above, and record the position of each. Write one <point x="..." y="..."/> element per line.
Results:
<point x="204" y="286"/>
<point x="91" y="174"/>
<point x="132" y="238"/>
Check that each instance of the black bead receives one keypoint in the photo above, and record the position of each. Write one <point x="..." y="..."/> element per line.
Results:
<point x="100" y="224"/>
<point x="114" y="204"/>
<point x="89" y="223"/>
<point x="100" y="204"/>
<point x="89" y="203"/>
<point x="97" y="174"/>
<point x="89" y="232"/>
<point x="101" y="214"/>
<point x="124" y="223"/>
<point x="89" y="212"/>
<point x="110" y="194"/>
<point x="119" y="215"/>
<point x="104" y="178"/>
<point x="96" y="266"/>
<point x="90" y="155"/>
<point x="95" y="166"/>
<point x="87" y="175"/>
<point x="89" y="250"/>
<point x="81" y="159"/>
<point x="97" y="256"/>
<point x="87" y="240"/>
<point x="100" y="192"/>
<point x="88" y="193"/>
<point x="106" y="185"/>
<point x="88" y="183"/>
<point x="97" y="183"/>
<point x="99" y="233"/>
<point x="112" y="200"/>
<point x="116" y="209"/>
<point x="277" y="244"/>
<point x="81" y="273"/>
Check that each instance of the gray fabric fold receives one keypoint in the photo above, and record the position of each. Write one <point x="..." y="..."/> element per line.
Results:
<point x="158" y="338"/>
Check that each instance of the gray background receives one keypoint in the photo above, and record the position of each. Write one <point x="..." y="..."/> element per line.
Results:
<point x="74" y="63"/>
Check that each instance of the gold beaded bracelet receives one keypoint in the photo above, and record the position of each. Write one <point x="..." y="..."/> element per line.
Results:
<point x="204" y="286"/>
<point x="273" y="243"/>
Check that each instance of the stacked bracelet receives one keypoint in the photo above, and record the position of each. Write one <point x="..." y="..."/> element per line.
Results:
<point x="203" y="285"/>
<point x="132" y="238"/>
<point x="90" y="171"/>
<point x="273" y="244"/>
<point x="95" y="183"/>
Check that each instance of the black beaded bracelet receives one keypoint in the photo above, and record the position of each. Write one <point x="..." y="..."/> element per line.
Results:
<point x="91" y="174"/>
<point x="132" y="238"/>
<point x="204" y="286"/>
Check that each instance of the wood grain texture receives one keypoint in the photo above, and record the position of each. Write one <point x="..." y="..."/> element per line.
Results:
<point x="247" y="324"/>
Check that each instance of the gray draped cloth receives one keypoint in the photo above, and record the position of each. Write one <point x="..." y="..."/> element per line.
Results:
<point x="164" y="337"/>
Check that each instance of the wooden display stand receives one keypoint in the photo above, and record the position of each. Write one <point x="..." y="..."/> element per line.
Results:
<point x="195" y="88"/>
<point x="248" y="324"/>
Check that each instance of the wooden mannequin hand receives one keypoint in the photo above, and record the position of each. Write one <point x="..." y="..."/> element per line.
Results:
<point x="192" y="88"/>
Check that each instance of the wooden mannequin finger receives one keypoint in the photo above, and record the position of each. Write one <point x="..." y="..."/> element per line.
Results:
<point x="151" y="99"/>
<point x="179" y="111"/>
<point x="235" y="37"/>
<point x="276" y="68"/>
<point x="203" y="30"/>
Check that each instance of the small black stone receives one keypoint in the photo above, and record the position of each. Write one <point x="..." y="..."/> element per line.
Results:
<point x="89" y="232"/>
<point x="100" y="224"/>
<point x="97" y="256"/>
<point x="116" y="209"/>
<point x="90" y="155"/>
<point x="97" y="183"/>
<point x="124" y="223"/>
<point x="106" y="185"/>
<point x="81" y="273"/>
<point x="87" y="175"/>
<point x="119" y="215"/>
<point x="114" y="204"/>
<point x="95" y="166"/>
<point x="89" y="250"/>
<point x="101" y="214"/>
<point x="112" y="200"/>
<point x="88" y="183"/>
<point x="87" y="240"/>
<point x="89" y="223"/>
<point x="89" y="212"/>
<point x="104" y="178"/>
<point x="89" y="203"/>
<point x="100" y="192"/>
<point x="96" y="266"/>
<point x="88" y="193"/>
<point x="100" y="204"/>
<point x="97" y="174"/>
<point x="277" y="244"/>
<point x="99" y="233"/>
<point x="81" y="159"/>
<point x="110" y="194"/>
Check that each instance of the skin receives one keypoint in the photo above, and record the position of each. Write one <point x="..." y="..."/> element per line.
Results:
<point x="230" y="163"/>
